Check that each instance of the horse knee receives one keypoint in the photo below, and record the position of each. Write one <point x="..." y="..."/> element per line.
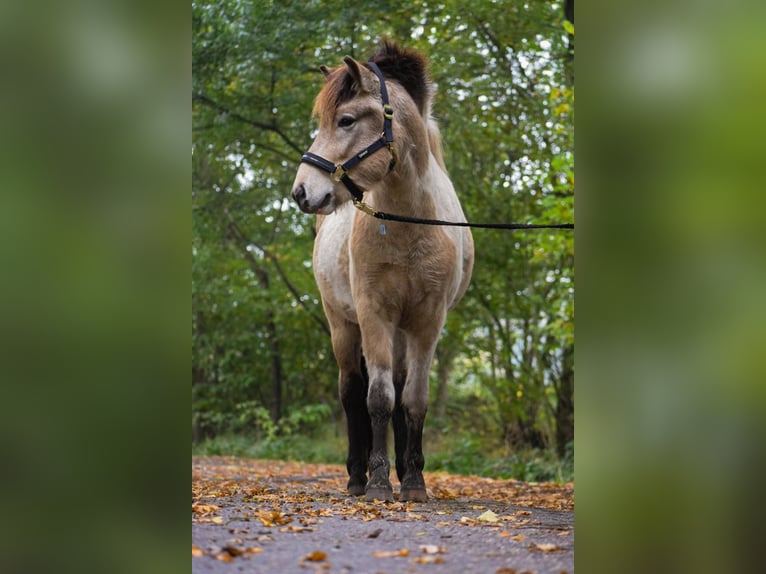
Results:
<point x="381" y="394"/>
<point x="415" y="403"/>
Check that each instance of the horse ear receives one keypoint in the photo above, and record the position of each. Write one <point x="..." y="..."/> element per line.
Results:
<point x="361" y="76"/>
<point x="326" y="71"/>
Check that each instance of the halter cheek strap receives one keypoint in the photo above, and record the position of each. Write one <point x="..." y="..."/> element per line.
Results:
<point x="339" y="172"/>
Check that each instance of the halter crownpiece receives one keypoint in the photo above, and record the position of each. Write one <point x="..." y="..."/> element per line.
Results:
<point x="339" y="172"/>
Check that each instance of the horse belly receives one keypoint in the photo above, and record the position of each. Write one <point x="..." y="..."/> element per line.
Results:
<point x="331" y="263"/>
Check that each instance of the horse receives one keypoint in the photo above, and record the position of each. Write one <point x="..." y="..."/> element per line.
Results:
<point x="385" y="287"/>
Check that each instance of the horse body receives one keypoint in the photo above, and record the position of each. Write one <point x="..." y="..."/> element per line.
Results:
<point x="385" y="288"/>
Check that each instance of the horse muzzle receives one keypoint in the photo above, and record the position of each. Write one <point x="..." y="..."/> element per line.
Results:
<point x="308" y="204"/>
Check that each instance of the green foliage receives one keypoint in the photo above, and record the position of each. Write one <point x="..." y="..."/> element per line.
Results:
<point x="304" y="435"/>
<point x="261" y="354"/>
<point x="470" y="454"/>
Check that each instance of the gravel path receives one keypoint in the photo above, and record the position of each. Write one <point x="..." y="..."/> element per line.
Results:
<point x="276" y="517"/>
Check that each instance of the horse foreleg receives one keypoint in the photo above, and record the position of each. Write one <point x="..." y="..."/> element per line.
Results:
<point x="352" y="388"/>
<point x="353" y="395"/>
<point x="380" y="404"/>
<point x="415" y="405"/>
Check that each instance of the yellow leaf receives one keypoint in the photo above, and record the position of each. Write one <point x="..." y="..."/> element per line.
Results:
<point x="518" y="537"/>
<point x="488" y="516"/>
<point x="197" y="551"/>
<point x="546" y="547"/>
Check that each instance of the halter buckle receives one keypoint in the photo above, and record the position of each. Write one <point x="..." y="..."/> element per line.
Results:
<point x="339" y="172"/>
<point x="388" y="111"/>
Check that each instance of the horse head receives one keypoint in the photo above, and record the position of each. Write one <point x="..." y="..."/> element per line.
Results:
<point x="355" y="109"/>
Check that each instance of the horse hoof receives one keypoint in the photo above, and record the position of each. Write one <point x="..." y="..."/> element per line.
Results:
<point x="356" y="489"/>
<point x="413" y="495"/>
<point x="379" y="493"/>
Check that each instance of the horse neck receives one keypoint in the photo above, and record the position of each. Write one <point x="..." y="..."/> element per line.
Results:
<point x="414" y="184"/>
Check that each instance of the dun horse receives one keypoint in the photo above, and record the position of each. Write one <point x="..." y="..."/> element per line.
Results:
<point x="385" y="288"/>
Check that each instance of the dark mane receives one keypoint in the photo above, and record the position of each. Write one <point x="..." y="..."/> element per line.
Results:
<point x="407" y="67"/>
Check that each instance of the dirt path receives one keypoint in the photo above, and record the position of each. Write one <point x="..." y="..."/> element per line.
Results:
<point x="284" y="517"/>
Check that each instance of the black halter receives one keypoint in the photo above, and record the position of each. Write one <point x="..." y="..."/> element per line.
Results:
<point x="340" y="171"/>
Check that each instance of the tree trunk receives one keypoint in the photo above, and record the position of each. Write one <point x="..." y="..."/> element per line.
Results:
<point x="445" y="358"/>
<point x="276" y="368"/>
<point x="565" y="402"/>
<point x="276" y="352"/>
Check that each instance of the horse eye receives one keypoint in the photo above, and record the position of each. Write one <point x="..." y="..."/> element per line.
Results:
<point x="346" y="121"/>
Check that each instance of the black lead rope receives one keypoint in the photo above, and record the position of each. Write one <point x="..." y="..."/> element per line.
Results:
<point x="361" y="206"/>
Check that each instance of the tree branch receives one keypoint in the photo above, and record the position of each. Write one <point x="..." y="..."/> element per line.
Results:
<point x="244" y="241"/>
<point x="271" y="127"/>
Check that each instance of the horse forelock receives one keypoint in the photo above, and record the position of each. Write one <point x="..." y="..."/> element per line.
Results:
<point x="338" y="88"/>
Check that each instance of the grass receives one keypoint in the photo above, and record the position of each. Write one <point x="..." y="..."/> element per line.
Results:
<point x="464" y="454"/>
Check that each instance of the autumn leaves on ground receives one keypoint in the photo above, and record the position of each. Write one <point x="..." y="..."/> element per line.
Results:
<point x="270" y="516"/>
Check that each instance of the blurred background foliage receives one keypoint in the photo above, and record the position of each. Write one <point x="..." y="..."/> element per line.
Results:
<point x="263" y="375"/>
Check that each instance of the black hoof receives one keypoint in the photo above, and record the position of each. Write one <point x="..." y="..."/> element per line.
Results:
<point x="379" y="493"/>
<point x="413" y="495"/>
<point x="356" y="487"/>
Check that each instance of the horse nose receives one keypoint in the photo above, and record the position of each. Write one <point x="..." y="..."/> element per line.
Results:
<point x="299" y="195"/>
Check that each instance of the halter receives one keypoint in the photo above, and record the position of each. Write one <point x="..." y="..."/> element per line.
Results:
<point x="339" y="172"/>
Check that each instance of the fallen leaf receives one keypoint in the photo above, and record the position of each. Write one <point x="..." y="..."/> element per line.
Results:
<point x="197" y="551"/>
<point x="544" y="547"/>
<point x="432" y="549"/>
<point x="208" y="519"/>
<point x="565" y="533"/>
<point x="273" y="518"/>
<point x="390" y="553"/>
<point x="506" y="570"/>
<point x="518" y="537"/>
<point x="488" y="516"/>
<point x="316" y="556"/>
<point x="375" y="533"/>
<point x="232" y="550"/>
<point x="202" y="509"/>
<point x="252" y="550"/>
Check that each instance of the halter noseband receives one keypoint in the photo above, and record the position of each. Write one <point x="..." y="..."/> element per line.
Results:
<point x="340" y="171"/>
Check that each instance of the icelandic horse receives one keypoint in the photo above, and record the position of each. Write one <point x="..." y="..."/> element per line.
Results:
<point x="385" y="287"/>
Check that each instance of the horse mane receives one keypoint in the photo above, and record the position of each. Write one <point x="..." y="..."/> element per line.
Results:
<point x="407" y="67"/>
